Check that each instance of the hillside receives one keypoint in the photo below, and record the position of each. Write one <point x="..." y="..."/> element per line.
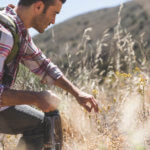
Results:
<point x="71" y="31"/>
<point x="69" y="37"/>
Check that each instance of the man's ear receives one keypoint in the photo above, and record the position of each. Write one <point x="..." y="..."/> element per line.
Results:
<point x="38" y="7"/>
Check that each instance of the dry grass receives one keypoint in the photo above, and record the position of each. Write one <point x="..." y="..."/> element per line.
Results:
<point x="122" y="122"/>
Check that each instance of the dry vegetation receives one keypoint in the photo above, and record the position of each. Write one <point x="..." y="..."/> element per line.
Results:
<point x="144" y="4"/>
<point x="122" y="122"/>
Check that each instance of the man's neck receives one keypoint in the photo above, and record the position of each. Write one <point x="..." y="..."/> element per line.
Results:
<point x="24" y="14"/>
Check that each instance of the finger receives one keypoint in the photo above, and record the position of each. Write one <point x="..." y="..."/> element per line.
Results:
<point x="46" y="111"/>
<point x="95" y="108"/>
<point x="94" y="105"/>
<point x="93" y="100"/>
<point x="87" y="108"/>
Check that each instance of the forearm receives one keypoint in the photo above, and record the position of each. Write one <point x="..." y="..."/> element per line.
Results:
<point x="18" y="97"/>
<point x="65" y="84"/>
<point x="82" y="97"/>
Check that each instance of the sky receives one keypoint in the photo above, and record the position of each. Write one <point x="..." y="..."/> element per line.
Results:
<point x="74" y="7"/>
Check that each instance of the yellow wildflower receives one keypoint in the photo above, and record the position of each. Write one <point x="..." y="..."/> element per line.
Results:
<point x="95" y="92"/>
<point x="114" y="100"/>
<point x="117" y="73"/>
<point x="137" y="69"/>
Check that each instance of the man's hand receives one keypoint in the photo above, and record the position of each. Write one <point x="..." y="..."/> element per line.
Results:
<point x="84" y="99"/>
<point x="87" y="101"/>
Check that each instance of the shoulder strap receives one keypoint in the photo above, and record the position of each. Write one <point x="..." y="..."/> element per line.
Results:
<point x="9" y="23"/>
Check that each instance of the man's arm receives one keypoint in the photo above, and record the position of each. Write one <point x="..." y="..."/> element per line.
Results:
<point x="18" y="97"/>
<point x="82" y="97"/>
<point x="45" y="100"/>
<point x="50" y="73"/>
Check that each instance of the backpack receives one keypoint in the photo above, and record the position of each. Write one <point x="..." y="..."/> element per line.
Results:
<point x="10" y="24"/>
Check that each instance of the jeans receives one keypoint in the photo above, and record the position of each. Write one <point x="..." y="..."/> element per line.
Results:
<point x="25" y="120"/>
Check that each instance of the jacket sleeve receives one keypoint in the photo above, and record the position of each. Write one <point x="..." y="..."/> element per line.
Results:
<point x="37" y="62"/>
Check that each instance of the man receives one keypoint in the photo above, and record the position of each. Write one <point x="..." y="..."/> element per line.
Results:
<point x="15" y="117"/>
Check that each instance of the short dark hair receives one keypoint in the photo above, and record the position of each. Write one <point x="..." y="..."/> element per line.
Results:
<point x="47" y="3"/>
<point x="30" y="2"/>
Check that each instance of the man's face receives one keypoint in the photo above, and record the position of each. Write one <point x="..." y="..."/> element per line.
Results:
<point x="44" y="19"/>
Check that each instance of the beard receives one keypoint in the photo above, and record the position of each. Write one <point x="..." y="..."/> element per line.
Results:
<point x="39" y="23"/>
